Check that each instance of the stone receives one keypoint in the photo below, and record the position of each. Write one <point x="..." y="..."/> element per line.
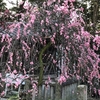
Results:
<point x="82" y="92"/>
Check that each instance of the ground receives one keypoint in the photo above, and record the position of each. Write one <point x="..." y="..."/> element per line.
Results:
<point x="89" y="98"/>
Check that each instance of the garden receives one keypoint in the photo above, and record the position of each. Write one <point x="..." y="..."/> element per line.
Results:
<point x="46" y="52"/>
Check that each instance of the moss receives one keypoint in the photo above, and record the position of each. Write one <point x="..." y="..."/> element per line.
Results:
<point x="14" y="97"/>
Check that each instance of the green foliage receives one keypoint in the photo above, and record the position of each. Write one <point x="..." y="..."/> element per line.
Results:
<point x="2" y="6"/>
<point x="36" y="0"/>
<point x="14" y="97"/>
<point x="18" y="9"/>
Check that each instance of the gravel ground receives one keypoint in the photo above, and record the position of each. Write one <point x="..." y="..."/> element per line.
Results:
<point x="90" y="98"/>
<point x="3" y="99"/>
<point x="93" y="99"/>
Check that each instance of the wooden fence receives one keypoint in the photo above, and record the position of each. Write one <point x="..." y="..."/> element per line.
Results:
<point x="70" y="90"/>
<point x="54" y="91"/>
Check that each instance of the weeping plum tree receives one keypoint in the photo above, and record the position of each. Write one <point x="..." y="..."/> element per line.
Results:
<point x="48" y="38"/>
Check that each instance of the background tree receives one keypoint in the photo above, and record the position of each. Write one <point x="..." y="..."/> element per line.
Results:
<point x="91" y="12"/>
<point x="4" y="14"/>
<point x="2" y="6"/>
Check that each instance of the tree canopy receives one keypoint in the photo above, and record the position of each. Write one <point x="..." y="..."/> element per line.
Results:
<point x="48" y="38"/>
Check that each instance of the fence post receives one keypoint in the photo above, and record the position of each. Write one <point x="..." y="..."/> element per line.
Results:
<point x="52" y="86"/>
<point x="63" y="93"/>
<point x="52" y="93"/>
<point x="40" y="92"/>
<point x="82" y="92"/>
<point x="58" y="91"/>
<point x="33" y="94"/>
<point x="46" y="93"/>
<point x="26" y="88"/>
